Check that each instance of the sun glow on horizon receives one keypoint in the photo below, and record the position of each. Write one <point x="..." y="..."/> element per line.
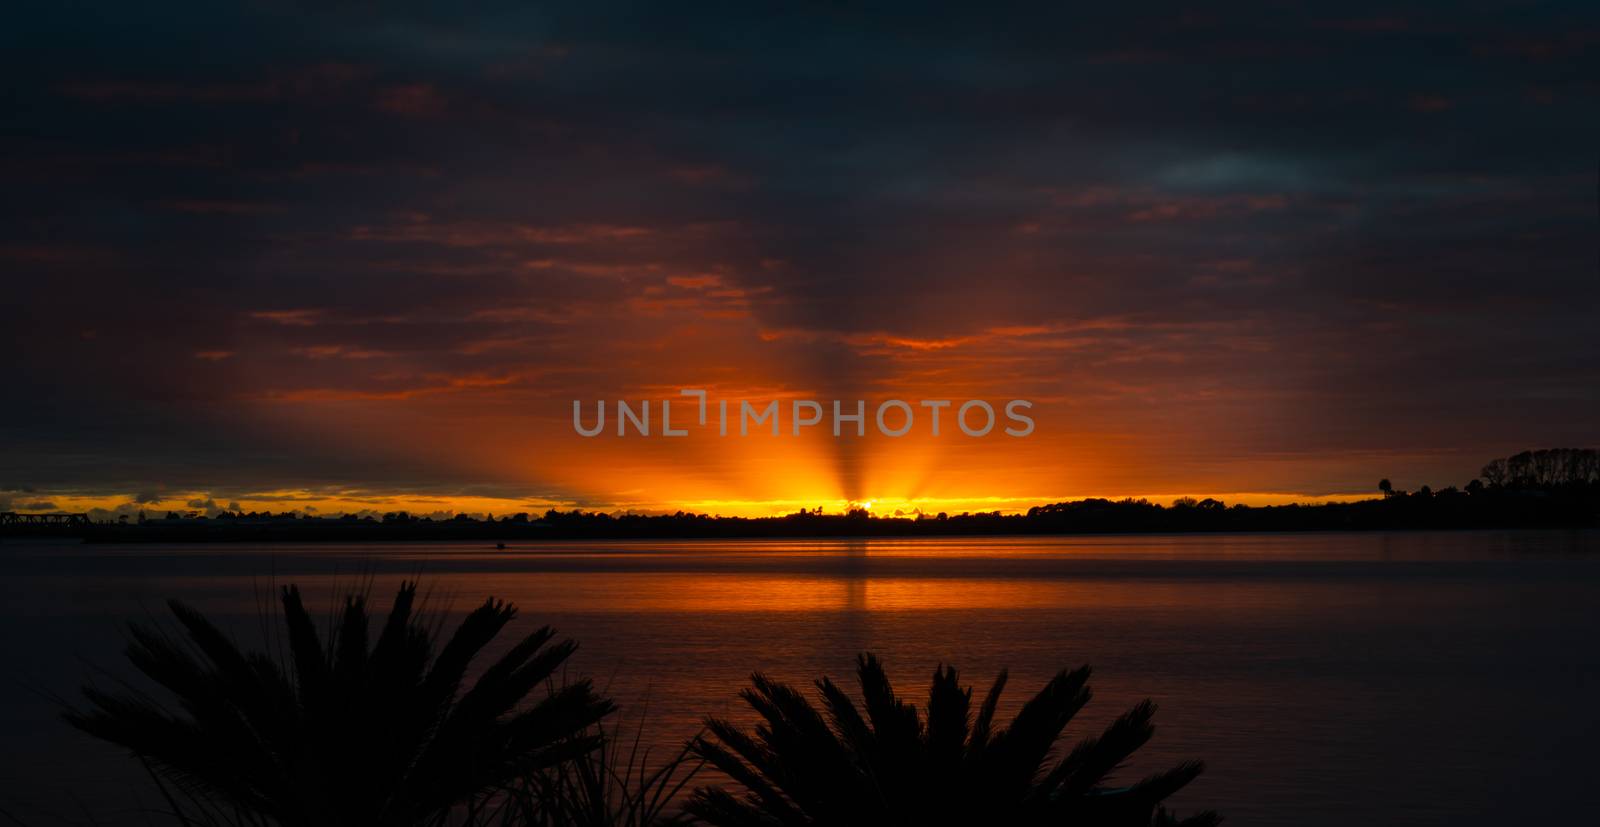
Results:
<point x="311" y="503"/>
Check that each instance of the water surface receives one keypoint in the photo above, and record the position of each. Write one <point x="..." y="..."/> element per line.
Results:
<point x="1418" y="678"/>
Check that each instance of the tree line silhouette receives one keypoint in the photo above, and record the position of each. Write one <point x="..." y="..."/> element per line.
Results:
<point x="1553" y="488"/>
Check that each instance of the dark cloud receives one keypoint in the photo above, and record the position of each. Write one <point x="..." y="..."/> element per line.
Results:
<point x="1370" y="226"/>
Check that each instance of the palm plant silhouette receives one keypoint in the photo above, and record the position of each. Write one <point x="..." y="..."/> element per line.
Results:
<point x="340" y="732"/>
<point x="892" y="767"/>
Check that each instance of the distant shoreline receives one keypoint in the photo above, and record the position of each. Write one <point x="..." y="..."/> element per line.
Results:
<point x="1570" y="507"/>
<point x="515" y="543"/>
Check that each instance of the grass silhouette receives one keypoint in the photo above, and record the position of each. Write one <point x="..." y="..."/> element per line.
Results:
<point x="616" y="785"/>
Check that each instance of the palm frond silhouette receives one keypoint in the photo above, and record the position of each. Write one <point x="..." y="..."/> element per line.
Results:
<point x="886" y="764"/>
<point x="343" y="732"/>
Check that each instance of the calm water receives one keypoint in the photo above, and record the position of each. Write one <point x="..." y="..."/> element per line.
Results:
<point x="1426" y="678"/>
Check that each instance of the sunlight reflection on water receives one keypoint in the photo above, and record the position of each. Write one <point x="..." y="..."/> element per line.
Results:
<point x="1325" y="678"/>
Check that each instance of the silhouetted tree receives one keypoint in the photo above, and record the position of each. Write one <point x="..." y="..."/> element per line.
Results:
<point x="1545" y="469"/>
<point x="344" y="733"/>
<point x="893" y="766"/>
<point x="1386" y="487"/>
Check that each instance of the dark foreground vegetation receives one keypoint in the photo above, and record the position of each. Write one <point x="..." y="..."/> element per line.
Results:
<point x="1556" y="488"/>
<point x="355" y="726"/>
<point x="886" y="763"/>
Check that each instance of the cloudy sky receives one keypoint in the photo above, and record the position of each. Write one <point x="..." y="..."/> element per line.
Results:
<point x="350" y="257"/>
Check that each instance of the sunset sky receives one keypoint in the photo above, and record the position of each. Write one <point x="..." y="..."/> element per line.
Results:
<point x="364" y="259"/>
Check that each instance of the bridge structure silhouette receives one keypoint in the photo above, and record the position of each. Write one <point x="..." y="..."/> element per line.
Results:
<point x="13" y="518"/>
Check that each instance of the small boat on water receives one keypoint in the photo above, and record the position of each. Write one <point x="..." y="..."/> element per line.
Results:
<point x="500" y="546"/>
